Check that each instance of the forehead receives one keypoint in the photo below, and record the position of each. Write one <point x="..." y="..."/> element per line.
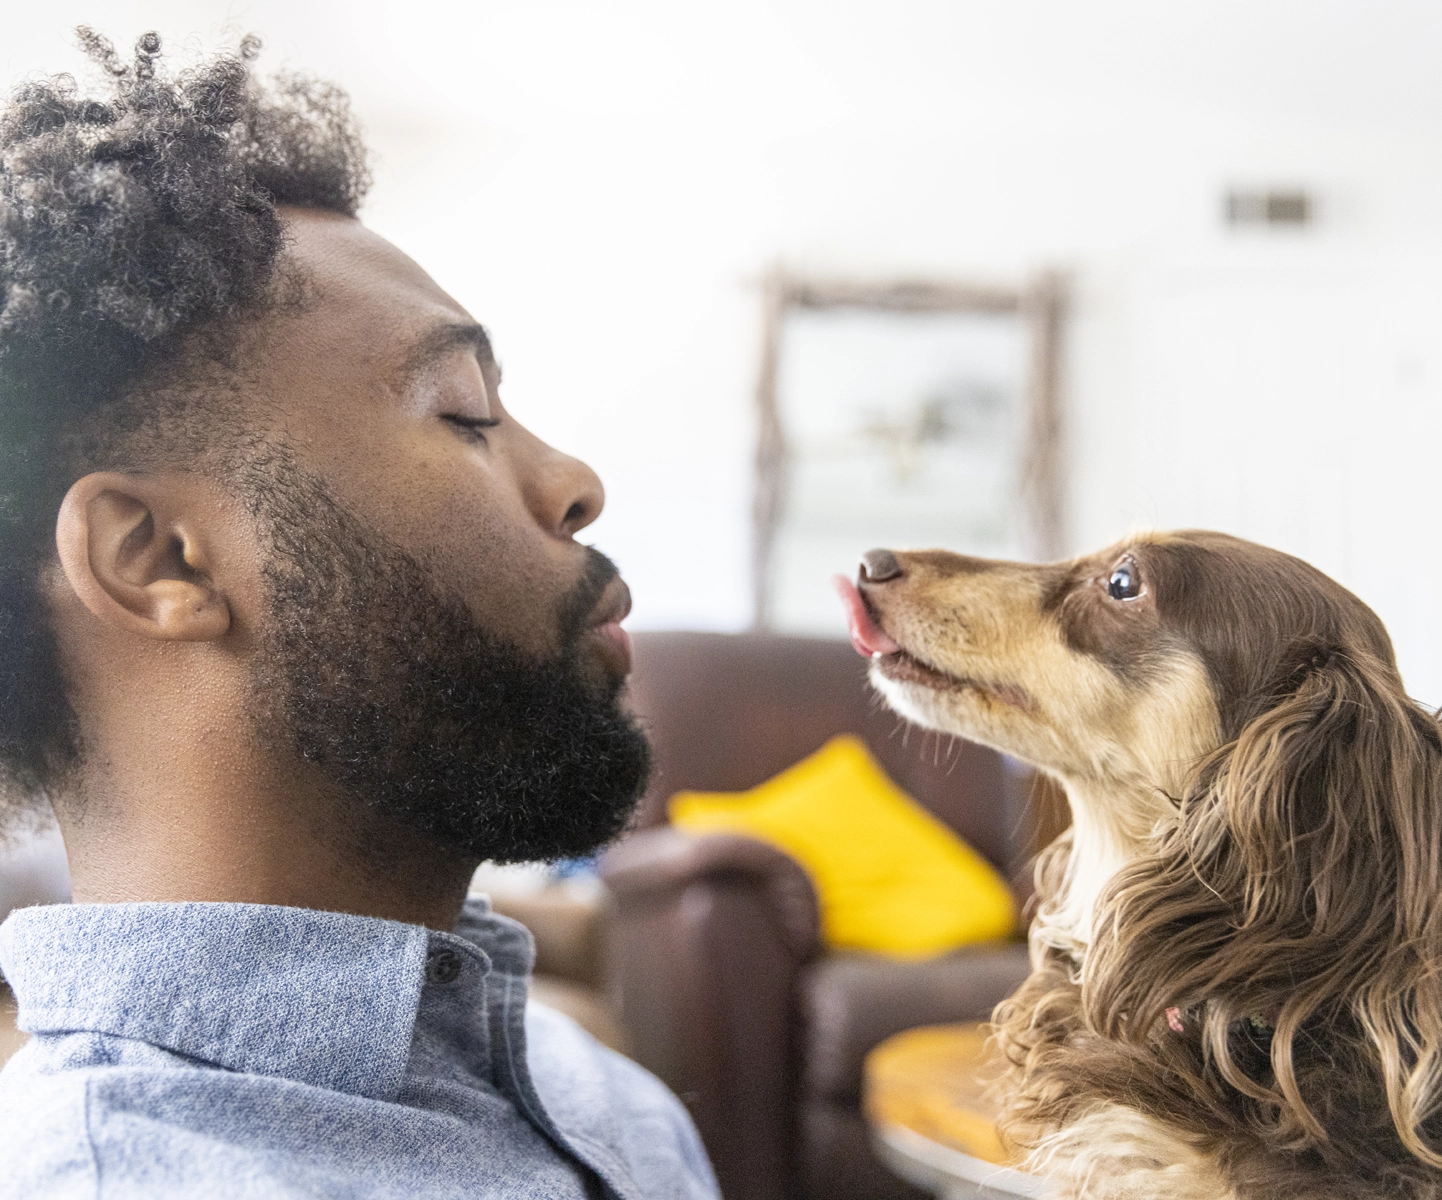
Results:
<point x="366" y="305"/>
<point x="1190" y="563"/>
<point x="349" y="262"/>
<point x="1176" y="558"/>
<point x="1247" y="610"/>
<point x="1192" y="574"/>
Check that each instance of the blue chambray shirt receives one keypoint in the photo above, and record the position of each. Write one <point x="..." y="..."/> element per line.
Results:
<point x="227" y="1050"/>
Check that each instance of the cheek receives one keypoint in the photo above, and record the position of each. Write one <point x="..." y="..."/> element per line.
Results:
<point x="476" y="539"/>
<point x="460" y="513"/>
<point x="1174" y="724"/>
<point x="1124" y="636"/>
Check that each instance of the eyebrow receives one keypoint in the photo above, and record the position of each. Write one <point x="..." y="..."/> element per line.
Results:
<point x="439" y="340"/>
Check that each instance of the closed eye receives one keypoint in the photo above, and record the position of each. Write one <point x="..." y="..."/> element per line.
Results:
<point x="472" y="427"/>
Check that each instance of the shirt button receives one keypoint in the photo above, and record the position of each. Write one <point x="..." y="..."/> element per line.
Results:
<point x="443" y="966"/>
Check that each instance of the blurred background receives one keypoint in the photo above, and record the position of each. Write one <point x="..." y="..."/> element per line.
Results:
<point x="1245" y="199"/>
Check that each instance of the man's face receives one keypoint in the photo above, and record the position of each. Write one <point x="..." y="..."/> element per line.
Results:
<point x="434" y="640"/>
<point x="381" y="383"/>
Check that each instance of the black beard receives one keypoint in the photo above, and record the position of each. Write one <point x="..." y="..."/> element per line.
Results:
<point x="372" y="672"/>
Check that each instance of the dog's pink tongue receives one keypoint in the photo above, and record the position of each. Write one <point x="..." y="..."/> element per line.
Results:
<point x="866" y="635"/>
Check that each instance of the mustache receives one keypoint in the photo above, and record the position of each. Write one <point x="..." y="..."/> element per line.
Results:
<point x="580" y="602"/>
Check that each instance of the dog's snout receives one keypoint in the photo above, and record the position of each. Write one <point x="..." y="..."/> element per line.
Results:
<point x="877" y="566"/>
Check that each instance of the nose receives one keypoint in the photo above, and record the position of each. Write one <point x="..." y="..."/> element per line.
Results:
<point x="877" y="566"/>
<point x="589" y="497"/>
<point x="563" y="493"/>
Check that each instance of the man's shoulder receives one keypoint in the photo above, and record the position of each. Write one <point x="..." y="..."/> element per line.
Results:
<point x="44" y="1143"/>
<point x="620" y="1118"/>
<point x="78" y="1108"/>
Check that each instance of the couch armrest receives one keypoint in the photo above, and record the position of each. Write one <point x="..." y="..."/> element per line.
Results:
<point x="655" y="865"/>
<point x="570" y="931"/>
<point x="708" y="939"/>
<point x="854" y="1002"/>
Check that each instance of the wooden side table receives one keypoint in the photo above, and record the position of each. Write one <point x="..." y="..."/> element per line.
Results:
<point x="931" y="1119"/>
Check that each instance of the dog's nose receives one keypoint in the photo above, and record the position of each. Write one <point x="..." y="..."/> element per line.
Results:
<point x="877" y="566"/>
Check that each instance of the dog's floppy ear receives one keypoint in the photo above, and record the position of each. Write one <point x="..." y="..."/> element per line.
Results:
<point x="1292" y="916"/>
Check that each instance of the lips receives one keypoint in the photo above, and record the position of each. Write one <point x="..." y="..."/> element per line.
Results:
<point x="614" y="605"/>
<point x="866" y="635"/>
<point x="605" y="623"/>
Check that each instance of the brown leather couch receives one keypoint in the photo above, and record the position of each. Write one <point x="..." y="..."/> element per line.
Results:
<point x="722" y="985"/>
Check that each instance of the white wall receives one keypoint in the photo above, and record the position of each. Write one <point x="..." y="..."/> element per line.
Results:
<point x="603" y="184"/>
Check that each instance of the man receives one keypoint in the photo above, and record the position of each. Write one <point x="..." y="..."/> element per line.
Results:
<point x="294" y="632"/>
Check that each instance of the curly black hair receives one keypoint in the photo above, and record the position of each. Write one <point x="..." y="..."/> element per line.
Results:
<point x="135" y="225"/>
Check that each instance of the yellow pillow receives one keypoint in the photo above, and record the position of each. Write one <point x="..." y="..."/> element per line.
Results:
<point x="889" y="877"/>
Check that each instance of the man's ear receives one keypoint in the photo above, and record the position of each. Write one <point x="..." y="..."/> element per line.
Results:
<point x="135" y="554"/>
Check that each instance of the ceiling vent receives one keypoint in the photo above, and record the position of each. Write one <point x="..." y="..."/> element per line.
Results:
<point x="1287" y="207"/>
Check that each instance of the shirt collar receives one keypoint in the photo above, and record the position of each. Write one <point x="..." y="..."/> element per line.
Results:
<point x="327" y="999"/>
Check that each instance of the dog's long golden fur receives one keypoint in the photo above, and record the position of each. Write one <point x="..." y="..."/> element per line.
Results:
<point x="1237" y="954"/>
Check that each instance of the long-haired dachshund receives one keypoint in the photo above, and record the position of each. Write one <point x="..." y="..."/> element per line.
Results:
<point x="1237" y="952"/>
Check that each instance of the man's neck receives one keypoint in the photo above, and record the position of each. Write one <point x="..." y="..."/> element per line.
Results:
<point x="257" y="846"/>
<point x="180" y="798"/>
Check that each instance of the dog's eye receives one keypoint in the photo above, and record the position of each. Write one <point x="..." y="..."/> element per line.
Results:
<point x="1125" y="583"/>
